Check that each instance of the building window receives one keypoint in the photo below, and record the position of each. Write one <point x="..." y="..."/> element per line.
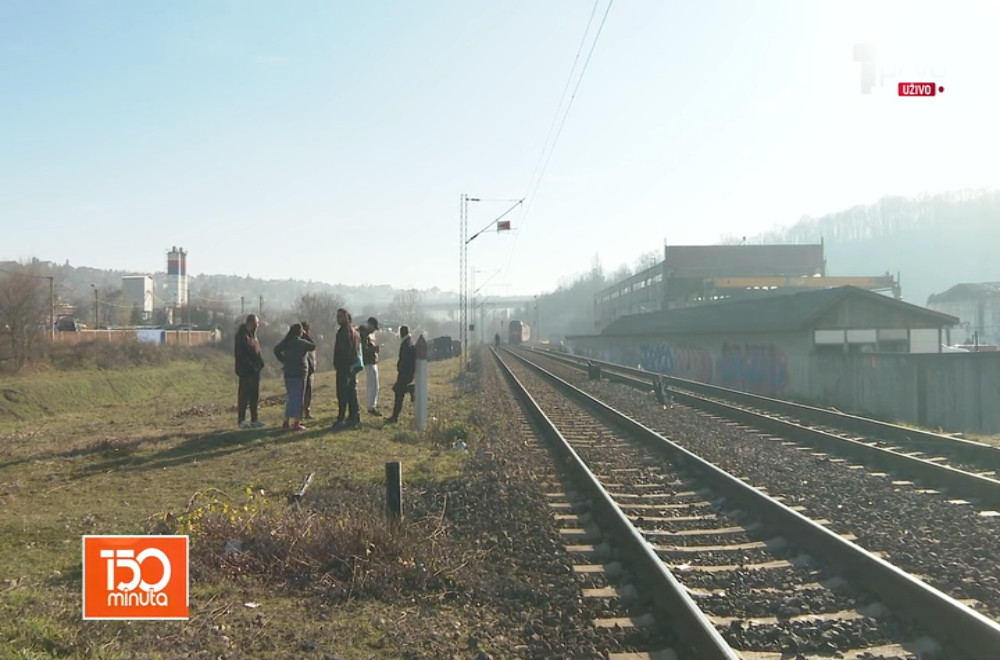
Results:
<point x="829" y="349"/>
<point x="893" y="346"/>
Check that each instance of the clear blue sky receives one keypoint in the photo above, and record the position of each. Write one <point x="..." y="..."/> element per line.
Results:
<point x="331" y="140"/>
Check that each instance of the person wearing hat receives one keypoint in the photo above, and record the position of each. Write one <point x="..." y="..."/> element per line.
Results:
<point x="369" y="356"/>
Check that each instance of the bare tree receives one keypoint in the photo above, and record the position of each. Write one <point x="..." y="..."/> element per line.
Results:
<point x="407" y="307"/>
<point x="647" y="260"/>
<point x="320" y="310"/>
<point x="24" y="313"/>
<point x="210" y="307"/>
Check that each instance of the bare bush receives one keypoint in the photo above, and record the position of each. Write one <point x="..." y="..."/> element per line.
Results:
<point x="343" y="547"/>
<point x="122" y="354"/>
<point x="24" y="313"/>
<point x="320" y="310"/>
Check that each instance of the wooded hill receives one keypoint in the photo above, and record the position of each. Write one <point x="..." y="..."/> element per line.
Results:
<point x="933" y="242"/>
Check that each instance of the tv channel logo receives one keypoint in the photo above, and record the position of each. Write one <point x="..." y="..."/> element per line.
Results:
<point x="135" y="577"/>
<point x="878" y="72"/>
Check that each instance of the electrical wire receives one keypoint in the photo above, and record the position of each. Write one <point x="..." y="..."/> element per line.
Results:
<point x="562" y="97"/>
<point x="547" y="158"/>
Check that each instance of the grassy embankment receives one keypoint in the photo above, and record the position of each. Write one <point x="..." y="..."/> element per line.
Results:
<point x="113" y="452"/>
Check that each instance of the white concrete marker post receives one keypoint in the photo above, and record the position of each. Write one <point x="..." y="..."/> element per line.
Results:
<point x="420" y="413"/>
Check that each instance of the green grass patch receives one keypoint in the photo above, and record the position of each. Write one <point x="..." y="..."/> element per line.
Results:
<point x="135" y="450"/>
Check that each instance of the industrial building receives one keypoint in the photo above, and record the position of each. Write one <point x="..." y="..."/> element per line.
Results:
<point x="176" y="297"/>
<point x="137" y="291"/>
<point x="846" y="347"/>
<point x="766" y="344"/>
<point x="977" y="307"/>
<point x="698" y="274"/>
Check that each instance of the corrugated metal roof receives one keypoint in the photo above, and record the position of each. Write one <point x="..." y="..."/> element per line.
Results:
<point x="743" y="260"/>
<point x="781" y="311"/>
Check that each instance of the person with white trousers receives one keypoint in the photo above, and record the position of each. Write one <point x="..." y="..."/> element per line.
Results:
<point x="369" y="356"/>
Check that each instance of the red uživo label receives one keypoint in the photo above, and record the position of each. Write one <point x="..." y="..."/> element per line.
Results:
<point x="918" y="89"/>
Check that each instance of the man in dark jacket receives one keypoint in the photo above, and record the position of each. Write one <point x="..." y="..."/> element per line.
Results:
<point x="311" y="364"/>
<point x="347" y="363"/>
<point x="406" y="369"/>
<point x="369" y="356"/>
<point x="249" y="363"/>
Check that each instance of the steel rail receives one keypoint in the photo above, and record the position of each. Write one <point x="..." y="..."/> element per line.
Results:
<point x="946" y="618"/>
<point x="958" y="482"/>
<point x="983" y="454"/>
<point x="672" y="602"/>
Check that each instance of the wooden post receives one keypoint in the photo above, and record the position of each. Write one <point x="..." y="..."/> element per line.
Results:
<point x="420" y="393"/>
<point x="394" y="490"/>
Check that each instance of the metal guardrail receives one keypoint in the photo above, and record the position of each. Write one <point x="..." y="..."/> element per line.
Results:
<point x="943" y="616"/>
<point x="672" y="601"/>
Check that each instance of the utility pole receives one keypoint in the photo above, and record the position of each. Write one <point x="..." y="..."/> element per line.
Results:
<point x="538" y="330"/>
<point x="96" y="309"/>
<point x="52" y="308"/>
<point x="463" y="282"/>
<point x="243" y="306"/>
<point x="260" y="308"/>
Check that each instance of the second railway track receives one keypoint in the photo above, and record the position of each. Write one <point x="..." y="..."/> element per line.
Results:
<point x="922" y="452"/>
<point x="770" y="580"/>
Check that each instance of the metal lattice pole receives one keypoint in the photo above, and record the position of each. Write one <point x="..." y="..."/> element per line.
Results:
<point x="462" y="230"/>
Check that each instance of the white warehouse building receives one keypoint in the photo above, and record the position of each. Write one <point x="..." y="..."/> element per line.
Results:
<point x="137" y="291"/>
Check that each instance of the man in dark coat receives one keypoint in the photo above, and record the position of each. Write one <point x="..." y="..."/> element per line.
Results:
<point x="249" y="363"/>
<point x="347" y="363"/>
<point x="406" y="370"/>
<point x="311" y="357"/>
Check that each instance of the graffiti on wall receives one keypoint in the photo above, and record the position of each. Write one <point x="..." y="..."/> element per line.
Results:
<point x="692" y="363"/>
<point x="761" y="368"/>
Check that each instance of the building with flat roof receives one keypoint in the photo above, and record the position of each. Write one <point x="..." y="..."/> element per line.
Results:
<point x="978" y="308"/>
<point x="137" y="291"/>
<point x="692" y="275"/>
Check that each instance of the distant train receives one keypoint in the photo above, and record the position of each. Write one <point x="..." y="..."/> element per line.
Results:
<point x="443" y="348"/>
<point x="519" y="332"/>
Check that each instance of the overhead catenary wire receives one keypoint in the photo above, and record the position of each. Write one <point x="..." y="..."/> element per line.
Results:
<point x="546" y="158"/>
<point x="562" y="97"/>
<point x="555" y="118"/>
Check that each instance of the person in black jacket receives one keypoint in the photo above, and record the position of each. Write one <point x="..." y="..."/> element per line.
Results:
<point x="311" y="359"/>
<point x="347" y="363"/>
<point x="406" y="369"/>
<point x="249" y="363"/>
<point x="293" y="351"/>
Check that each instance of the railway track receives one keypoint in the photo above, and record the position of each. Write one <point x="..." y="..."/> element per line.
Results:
<point x="965" y="468"/>
<point x="737" y="573"/>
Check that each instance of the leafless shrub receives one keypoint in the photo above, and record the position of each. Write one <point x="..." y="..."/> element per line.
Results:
<point x="341" y="547"/>
<point x="24" y="313"/>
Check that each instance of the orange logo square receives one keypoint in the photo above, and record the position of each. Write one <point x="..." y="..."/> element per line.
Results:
<point x="135" y="577"/>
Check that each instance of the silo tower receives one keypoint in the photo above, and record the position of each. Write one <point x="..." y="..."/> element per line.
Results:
<point x="177" y="284"/>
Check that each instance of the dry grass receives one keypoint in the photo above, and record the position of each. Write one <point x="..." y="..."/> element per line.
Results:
<point x="343" y="546"/>
<point x="135" y="451"/>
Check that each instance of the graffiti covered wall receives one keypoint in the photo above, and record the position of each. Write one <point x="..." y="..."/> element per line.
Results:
<point x="751" y="367"/>
<point x="692" y="363"/>
<point x="760" y="368"/>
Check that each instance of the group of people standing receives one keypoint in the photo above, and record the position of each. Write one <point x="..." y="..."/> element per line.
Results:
<point x="354" y="350"/>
